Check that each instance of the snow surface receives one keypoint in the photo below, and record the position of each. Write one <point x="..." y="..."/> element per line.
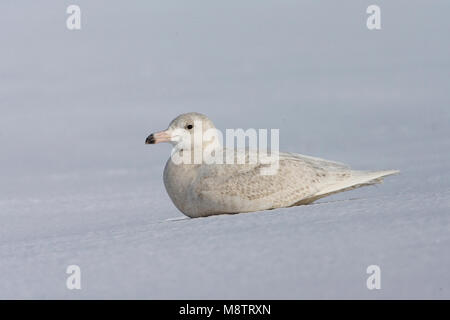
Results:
<point x="78" y="185"/>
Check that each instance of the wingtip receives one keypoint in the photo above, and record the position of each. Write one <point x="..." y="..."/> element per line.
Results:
<point x="387" y="173"/>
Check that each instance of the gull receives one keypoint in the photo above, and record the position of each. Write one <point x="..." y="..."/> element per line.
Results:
<point x="201" y="189"/>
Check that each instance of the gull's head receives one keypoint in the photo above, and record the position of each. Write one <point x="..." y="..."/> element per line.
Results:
<point x="186" y="131"/>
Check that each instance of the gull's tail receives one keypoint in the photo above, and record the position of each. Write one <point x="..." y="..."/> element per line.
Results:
<point x="357" y="179"/>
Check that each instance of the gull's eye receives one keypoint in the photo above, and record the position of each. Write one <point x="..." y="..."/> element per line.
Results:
<point x="189" y="126"/>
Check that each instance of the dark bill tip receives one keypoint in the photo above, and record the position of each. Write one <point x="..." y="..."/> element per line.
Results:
<point x="150" y="139"/>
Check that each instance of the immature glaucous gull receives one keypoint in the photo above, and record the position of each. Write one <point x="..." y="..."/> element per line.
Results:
<point x="201" y="188"/>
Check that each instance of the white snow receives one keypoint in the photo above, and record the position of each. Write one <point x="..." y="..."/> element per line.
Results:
<point x="79" y="186"/>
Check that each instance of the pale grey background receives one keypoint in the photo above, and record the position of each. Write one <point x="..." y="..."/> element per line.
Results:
<point x="78" y="185"/>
